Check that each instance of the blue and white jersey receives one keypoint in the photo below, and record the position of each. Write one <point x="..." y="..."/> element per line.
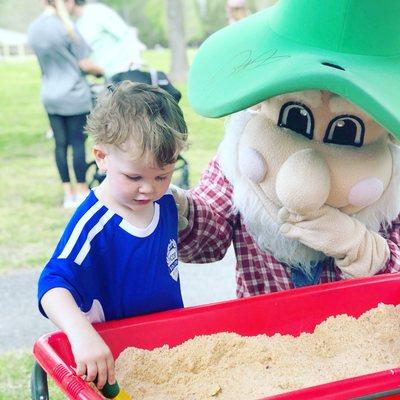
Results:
<point x="113" y="269"/>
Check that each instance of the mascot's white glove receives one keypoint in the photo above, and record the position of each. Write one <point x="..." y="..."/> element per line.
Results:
<point x="182" y="204"/>
<point x="356" y="250"/>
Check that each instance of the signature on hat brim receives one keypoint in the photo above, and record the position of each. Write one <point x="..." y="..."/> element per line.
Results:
<point x="248" y="62"/>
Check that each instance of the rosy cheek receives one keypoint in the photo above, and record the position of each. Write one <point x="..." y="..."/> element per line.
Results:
<point x="252" y="164"/>
<point x="366" y="192"/>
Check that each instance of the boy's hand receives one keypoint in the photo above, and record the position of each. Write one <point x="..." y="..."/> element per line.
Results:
<point x="182" y="205"/>
<point x="93" y="357"/>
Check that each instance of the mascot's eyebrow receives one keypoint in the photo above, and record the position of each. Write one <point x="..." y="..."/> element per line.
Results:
<point x="310" y="97"/>
<point x="340" y="105"/>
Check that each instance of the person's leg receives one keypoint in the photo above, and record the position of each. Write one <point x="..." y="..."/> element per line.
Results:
<point x="60" y="151"/>
<point x="76" y="138"/>
<point x="59" y="128"/>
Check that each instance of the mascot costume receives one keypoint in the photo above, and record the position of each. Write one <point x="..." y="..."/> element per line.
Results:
<point x="306" y="182"/>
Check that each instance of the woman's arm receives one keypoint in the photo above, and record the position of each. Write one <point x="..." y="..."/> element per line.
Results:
<point x="89" y="67"/>
<point x="92" y="356"/>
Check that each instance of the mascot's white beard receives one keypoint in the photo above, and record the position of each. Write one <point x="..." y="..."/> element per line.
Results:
<point x="265" y="230"/>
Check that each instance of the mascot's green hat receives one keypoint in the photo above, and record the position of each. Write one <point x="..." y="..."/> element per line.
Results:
<point x="349" y="47"/>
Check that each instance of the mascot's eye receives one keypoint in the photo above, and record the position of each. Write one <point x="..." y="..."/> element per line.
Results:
<point x="298" y="118"/>
<point x="346" y="130"/>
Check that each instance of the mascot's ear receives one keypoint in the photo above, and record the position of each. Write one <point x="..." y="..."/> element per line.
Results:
<point x="298" y="118"/>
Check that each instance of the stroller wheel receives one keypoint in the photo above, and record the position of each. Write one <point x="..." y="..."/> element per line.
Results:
<point x="181" y="173"/>
<point x="95" y="175"/>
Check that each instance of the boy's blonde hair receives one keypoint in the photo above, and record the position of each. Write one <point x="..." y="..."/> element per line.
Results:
<point x="139" y="116"/>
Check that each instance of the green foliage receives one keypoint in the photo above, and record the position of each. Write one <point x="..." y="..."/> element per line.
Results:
<point x="149" y="17"/>
<point x="18" y="18"/>
<point x="203" y="18"/>
<point x="155" y="30"/>
<point x="194" y="31"/>
<point x="212" y="17"/>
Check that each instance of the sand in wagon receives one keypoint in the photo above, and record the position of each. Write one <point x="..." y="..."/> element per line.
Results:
<point x="227" y="366"/>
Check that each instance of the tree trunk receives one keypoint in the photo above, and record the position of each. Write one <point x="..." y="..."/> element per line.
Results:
<point x="126" y="12"/>
<point x="176" y="40"/>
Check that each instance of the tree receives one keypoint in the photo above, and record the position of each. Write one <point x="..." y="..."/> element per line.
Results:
<point x="147" y="16"/>
<point x="18" y="17"/>
<point x="176" y="40"/>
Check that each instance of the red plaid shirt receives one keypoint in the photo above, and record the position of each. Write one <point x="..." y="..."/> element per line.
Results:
<point x="214" y="223"/>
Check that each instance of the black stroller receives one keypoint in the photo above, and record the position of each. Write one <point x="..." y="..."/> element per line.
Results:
<point x="151" y="77"/>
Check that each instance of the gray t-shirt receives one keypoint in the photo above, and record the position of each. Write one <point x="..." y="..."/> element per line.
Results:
<point x="64" y="87"/>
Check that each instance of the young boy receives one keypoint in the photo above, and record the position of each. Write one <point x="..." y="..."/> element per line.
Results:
<point x="118" y="254"/>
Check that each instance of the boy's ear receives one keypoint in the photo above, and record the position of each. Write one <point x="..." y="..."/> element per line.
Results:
<point x="99" y="153"/>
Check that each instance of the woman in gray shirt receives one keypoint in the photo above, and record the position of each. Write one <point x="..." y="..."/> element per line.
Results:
<point x="63" y="58"/>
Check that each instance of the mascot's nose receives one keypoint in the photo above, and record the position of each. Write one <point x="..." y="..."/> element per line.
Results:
<point x="303" y="182"/>
<point x="366" y="192"/>
<point x="252" y="165"/>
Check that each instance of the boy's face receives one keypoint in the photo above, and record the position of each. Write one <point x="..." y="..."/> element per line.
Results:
<point x="134" y="182"/>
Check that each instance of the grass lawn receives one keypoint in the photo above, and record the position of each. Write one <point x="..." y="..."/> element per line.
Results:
<point x="31" y="215"/>
<point x="15" y="371"/>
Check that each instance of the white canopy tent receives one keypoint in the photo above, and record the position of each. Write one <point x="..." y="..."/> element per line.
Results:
<point x="13" y="44"/>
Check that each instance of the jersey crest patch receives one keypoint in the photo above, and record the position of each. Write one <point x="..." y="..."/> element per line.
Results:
<point x="172" y="259"/>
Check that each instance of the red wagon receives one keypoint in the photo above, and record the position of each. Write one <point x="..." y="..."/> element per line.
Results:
<point x="284" y="312"/>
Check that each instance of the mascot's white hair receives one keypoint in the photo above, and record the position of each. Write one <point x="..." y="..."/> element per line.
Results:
<point x="265" y="229"/>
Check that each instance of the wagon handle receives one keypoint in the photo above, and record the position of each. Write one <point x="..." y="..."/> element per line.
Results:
<point x="39" y="387"/>
<point x="63" y="375"/>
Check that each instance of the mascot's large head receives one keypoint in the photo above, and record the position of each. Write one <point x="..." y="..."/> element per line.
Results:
<point x="314" y="89"/>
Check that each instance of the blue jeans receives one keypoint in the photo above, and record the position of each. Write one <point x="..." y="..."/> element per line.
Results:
<point x="69" y="132"/>
<point x="300" y="278"/>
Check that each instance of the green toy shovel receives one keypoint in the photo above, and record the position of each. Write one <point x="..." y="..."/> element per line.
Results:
<point x="114" y="392"/>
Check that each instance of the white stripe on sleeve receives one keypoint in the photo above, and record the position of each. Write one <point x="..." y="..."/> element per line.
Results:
<point x="92" y="233"/>
<point x="78" y="229"/>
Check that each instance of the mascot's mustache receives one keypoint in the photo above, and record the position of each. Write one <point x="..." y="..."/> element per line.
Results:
<point x="268" y="204"/>
<point x="264" y="229"/>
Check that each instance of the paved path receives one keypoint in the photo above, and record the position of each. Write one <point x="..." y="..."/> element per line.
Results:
<point x="21" y="324"/>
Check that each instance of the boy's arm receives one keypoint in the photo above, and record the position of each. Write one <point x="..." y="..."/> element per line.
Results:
<point x="92" y="356"/>
<point x="89" y="67"/>
<point x="81" y="50"/>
